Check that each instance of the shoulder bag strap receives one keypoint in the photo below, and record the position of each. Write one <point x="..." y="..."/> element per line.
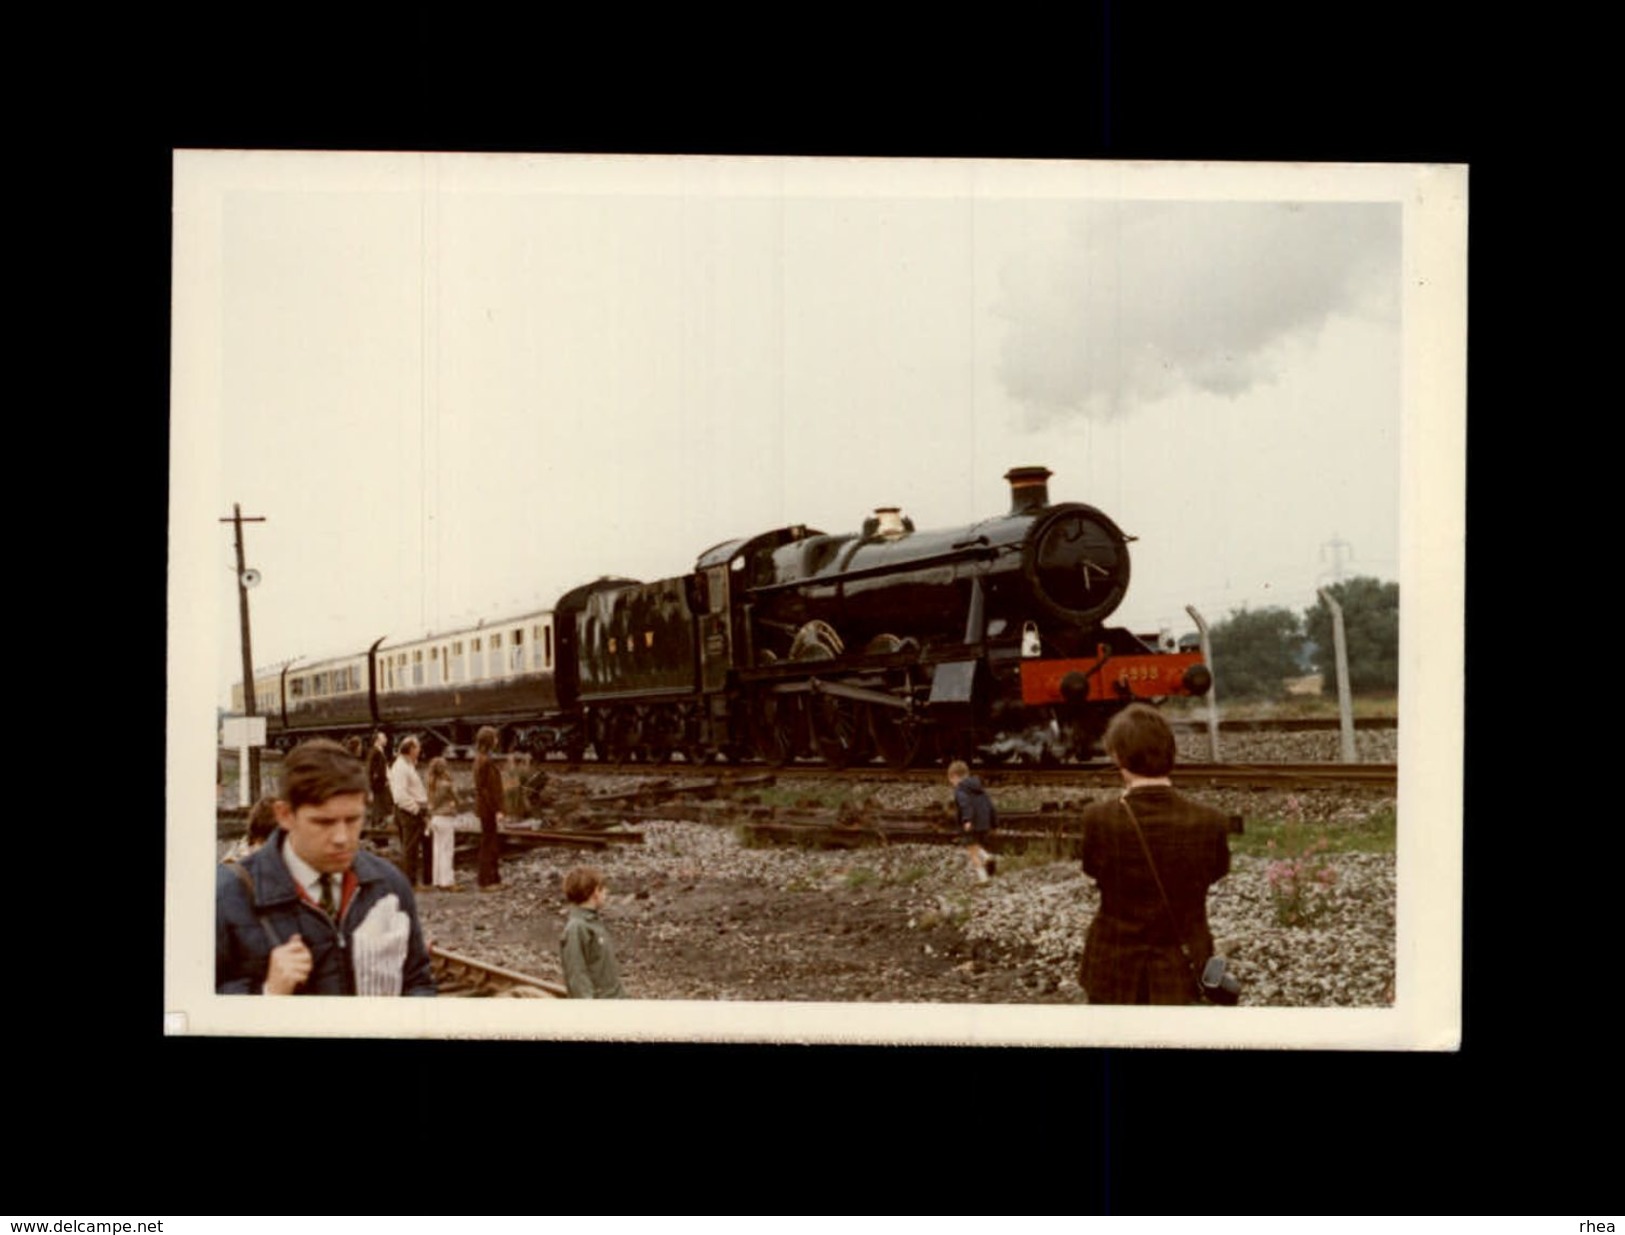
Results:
<point x="1179" y="935"/>
<point x="247" y="881"/>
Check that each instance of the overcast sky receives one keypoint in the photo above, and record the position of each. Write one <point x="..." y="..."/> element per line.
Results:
<point x="455" y="386"/>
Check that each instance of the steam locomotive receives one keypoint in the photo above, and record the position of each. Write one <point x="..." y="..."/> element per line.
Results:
<point x="982" y="642"/>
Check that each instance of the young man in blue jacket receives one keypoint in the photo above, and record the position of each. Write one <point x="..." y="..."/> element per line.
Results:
<point x="308" y="913"/>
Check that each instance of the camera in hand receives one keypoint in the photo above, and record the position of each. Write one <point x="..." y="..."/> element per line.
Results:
<point x="1218" y="985"/>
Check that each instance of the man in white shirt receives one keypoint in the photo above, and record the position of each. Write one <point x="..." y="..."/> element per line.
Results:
<point x="411" y="808"/>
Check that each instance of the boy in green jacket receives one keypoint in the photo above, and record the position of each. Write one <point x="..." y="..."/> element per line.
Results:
<point x="589" y="958"/>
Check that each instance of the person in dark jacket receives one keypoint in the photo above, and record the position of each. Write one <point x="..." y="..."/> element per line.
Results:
<point x="1147" y="945"/>
<point x="977" y="815"/>
<point x="488" y="806"/>
<point x="308" y="913"/>
<point x="380" y="806"/>
<point x="588" y="957"/>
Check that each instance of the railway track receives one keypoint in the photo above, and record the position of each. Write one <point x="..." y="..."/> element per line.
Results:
<point x="1267" y="775"/>
<point x="582" y="820"/>
<point x="464" y="977"/>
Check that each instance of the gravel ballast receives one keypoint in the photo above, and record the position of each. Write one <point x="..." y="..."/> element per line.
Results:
<point x="698" y="914"/>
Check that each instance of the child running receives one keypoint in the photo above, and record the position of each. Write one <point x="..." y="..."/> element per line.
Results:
<point x="977" y="815"/>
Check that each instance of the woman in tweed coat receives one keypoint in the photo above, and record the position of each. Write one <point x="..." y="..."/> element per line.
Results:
<point x="1133" y="953"/>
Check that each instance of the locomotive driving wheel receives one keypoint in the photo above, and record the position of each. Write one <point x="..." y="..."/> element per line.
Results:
<point x="840" y="730"/>
<point x="837" y="727"/>
<point x="777" y="723"/>
<point x="900" y="739"/>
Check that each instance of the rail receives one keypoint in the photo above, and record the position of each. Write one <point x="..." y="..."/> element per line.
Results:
<point x="464" y="977"/>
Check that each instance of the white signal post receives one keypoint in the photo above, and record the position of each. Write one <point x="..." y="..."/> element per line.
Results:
<point x="1213" y="687"/>
<point x="1345" y="701"/>
<point x="247" y="734"/>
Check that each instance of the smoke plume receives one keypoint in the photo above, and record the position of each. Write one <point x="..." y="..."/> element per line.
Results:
<point x="1152" y="297"/>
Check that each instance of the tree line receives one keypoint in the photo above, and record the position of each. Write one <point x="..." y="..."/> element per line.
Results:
<point x="1256" y="650"/>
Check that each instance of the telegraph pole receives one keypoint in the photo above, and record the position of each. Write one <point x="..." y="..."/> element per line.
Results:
<point x="1212" y="690"/>
<point x="245" y="580"/>
<point x="1345" y="704"/>
<point x="1336" y="544"/>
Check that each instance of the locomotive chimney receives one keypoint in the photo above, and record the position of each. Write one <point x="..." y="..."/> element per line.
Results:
<point x="1029" y="489"/>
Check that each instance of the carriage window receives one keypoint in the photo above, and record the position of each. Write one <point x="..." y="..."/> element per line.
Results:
<point x="457" y="661"/>
<point x="547" y="658"/>
<point x="516" y="658"/>
<point x="417" y="667"/>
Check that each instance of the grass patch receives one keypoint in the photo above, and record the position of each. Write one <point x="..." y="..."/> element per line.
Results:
<point x="798" y="796"/>
<point x="1016" y="798"/>
<point x="747" y="837"/>
<point x="909" y="874"/>
<point x="860" y="877"/>
<point x="1289" y="707"/>
<point x="1044" y="852"/>
<point x="958" y="910"/>
<point x="1376" y="833"/>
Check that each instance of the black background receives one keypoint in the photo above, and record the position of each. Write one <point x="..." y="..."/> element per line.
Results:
<point x="699" y="1127"/>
